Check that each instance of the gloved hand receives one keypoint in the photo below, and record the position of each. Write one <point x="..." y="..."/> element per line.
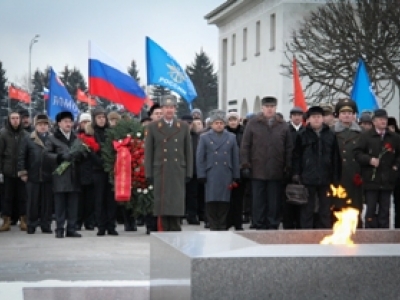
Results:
<point x="202" y="180"/>
<point x="237" y="180"/>
<point x="63" y="157"/>
<point x="296" y="179"/>
<point x="246" y="173"/>
<point x="150" y="180"/>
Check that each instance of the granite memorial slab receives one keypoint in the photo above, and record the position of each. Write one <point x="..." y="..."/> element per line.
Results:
<point x="274" y="265"/>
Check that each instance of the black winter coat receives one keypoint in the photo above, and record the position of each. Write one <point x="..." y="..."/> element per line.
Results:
<point x="317" y="159"/>
<point x="86" y="168"/>
<point x="100" y="137"/>
<point x="370" y="145"/>
<point x="195" y="141"/>
<point x="238" y="132"/>
<point x="32" y="161"/>
<point x="10" y="143"/>
<point x="57" y="145"/>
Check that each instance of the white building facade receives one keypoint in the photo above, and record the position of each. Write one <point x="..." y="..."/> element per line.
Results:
<point x="252" y="38"/>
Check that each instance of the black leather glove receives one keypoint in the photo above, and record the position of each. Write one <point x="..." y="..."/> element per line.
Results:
<point x="150" y="180"/>
<point x="66" y="157"/>
<point x="246" y="173"/>
<point x="202" y="180"/>
<point x="237" y="180"/>
<point x="296" y="179"/>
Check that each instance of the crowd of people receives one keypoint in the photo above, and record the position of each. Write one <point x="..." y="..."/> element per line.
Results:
<point x="224" y="171"/>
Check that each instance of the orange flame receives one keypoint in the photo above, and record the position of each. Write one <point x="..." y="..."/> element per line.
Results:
<point x="344" y="228"/>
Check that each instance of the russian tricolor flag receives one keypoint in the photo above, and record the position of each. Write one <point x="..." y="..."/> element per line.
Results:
<point x="109" y="80"/>
<point x="45" y="94"/>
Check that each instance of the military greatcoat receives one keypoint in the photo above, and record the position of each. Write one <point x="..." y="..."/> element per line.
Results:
<point x="169" y="162"/>
<point x="347" y="138"/>
<point x="218" y="161"/>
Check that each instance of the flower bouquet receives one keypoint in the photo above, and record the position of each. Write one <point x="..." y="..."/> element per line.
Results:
<point x="386" y="148"/>
<point x="78" y="147"/>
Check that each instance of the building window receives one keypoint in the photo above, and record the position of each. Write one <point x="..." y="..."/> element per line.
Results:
<point x="232" y="102"/>
<point x="244" y="43"/>
<point x="258" y="37"/>
<point x="273" y="32"/>
<point x="233" y="49"/>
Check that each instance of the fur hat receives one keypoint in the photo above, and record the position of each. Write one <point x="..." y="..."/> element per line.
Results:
<point x="85" y="117"/>
<point x="64" y="115"/>
<point x="23" y="113"/>
<point x="113" y="116"/>
<point x="232" y="114"/>
<point x="153" y="108"/>
<point x="168" y="100"/>
<point x="198" y="112"/>
<point x="98" y="111"/>
<point x="218" y="115"/>
<point x="392" y="121"/>
<point x="41" y="118"/>
<point x="315" y="110"/>
<point x="365" y="118"/>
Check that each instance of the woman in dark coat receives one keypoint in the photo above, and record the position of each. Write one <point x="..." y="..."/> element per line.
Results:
<point x="236" y="205"/>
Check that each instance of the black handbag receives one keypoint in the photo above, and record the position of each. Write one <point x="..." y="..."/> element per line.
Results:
<point x="296" y="194"/>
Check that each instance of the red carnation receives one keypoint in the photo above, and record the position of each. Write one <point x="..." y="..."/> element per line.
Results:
<point x="388" y="147"/>
<point x="357" y="180"/>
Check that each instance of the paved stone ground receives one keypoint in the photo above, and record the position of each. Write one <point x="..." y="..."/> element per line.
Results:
<point x="39" y="266"/>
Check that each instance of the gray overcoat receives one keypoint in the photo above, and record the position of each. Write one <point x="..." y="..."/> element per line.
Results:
<point x="169" y="162"/>
<point x="217" y="160"/>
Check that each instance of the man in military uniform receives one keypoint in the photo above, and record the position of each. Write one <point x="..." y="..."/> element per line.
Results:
<point x="347" y="133"/>
<point x="168" y="164"/>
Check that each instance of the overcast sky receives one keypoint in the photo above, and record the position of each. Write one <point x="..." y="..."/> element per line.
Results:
<point x="119" y="27"/>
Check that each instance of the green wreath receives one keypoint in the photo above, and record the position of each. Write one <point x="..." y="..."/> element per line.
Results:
<point x="142" y="199"/>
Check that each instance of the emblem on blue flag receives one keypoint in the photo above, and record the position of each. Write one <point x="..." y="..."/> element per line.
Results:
<point x="163" y="70"/>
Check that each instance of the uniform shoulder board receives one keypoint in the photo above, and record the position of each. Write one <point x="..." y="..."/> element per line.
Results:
<point x="178" y="124"/>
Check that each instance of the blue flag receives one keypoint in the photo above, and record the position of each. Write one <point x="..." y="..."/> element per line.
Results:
<point x="362" y="92"/>
<point x="162" y="69"/>
<point x="59" y="98"/>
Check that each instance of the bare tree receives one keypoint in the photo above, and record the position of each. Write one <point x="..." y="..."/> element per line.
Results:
<point x="329" y="42"/>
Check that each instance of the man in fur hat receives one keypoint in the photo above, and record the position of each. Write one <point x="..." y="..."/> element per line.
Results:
<point x="347" y="133"/>
<point x="218" y="168"/>
<point x="36" y="171"/>
<point x="316" y="164"/>
<point x="66" y="187"/>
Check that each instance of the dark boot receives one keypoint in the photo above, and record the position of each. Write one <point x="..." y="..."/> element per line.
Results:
<point x="46" y="229"/>
<point x="73" y="234"/>
<point x="59" y="233"/>
<point x="101" y="232"/>
<point x="31" y="230"/>
<point x="112" y="231"/>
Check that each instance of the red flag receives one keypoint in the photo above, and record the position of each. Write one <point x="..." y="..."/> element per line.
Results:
<point x="299" y="99"/>
<point x="18" y="94"/>
<point x="82" y="97"/>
